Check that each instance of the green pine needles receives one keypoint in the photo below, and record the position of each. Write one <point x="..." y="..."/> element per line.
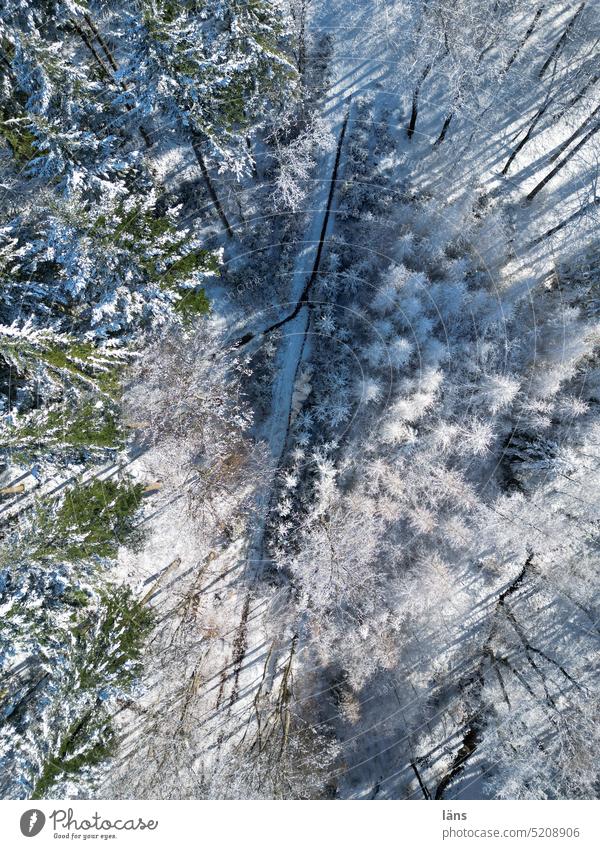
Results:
<point x="81" y="635"/>
<point x="108" y="647"/>
<point x="93" y="520"/>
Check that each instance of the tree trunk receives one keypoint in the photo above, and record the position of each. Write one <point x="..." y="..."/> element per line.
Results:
<point x="114" y="65"/>
<point x="470" y="742"/>
<point x="581" y="93"/>
<point x="526" y="38"/>
<point x="415" y="102"/>
<point x="86" y="40"/>
<point x="577" y="214"/>
<point x="101" y="42"/>
<point x="251" y="152"/>
<point x="445" y="126"/>
<point x="558" y="47"/>
<point x="300" y="18"/>
<point x="106" y="73"/>
<point x="562" y="164"/>
<point x="574" y="135"/>
<point x="424" y="790"/>
<point x="539" y="114"/>
<point x="196" y="145"/>
<point x="450" y="114"/>
<point x="413" y="114"/>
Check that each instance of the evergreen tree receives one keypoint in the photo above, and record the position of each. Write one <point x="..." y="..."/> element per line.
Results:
<point x="69" y="641"/>
<point x="218" y="75"/>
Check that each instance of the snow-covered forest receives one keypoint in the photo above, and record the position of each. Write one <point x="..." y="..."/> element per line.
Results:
<point x="299" y="399"/>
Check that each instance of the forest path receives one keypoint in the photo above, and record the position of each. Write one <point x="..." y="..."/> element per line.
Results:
<point x="251" y="640"/>
<point x="355" y="68"/>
